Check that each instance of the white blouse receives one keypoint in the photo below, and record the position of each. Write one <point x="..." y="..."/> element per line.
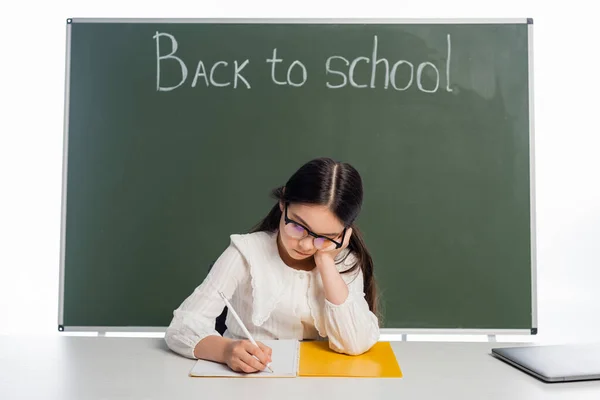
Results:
<point x="274" y="301"/>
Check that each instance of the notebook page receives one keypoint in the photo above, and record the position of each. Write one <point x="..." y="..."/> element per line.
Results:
<point x="285" y="357"/>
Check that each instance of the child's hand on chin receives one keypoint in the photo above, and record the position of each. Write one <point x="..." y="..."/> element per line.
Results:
<point x="329" y="254"/>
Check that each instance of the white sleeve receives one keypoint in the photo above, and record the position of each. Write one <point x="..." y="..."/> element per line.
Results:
<point x="351" y="327"/>
<point x="195" y="318"/>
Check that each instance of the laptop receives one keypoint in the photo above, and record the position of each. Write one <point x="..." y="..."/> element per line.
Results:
<point x="556" y="363"/>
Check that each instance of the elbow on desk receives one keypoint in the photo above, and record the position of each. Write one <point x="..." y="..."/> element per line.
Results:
<point x="351" y="349"/>
<point x="172" y="343"/>
<point x="355" y="346"/>
<point x="180" y="344"/>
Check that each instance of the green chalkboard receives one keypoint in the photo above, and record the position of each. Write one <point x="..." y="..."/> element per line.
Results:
<point x="176" y="131"/>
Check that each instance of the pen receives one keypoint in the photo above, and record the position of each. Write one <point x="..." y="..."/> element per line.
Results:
<point x="237" y="318"/>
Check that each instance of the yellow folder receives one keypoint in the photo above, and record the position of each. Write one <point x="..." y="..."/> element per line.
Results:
<point x="317" y="359"/>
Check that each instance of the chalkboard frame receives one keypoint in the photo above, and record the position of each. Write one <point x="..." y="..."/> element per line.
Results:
<point x="491" y="332"/>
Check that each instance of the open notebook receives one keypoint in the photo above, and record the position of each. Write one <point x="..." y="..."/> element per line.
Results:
<point x="285" y="357"/>
<point x="314" y="359"/>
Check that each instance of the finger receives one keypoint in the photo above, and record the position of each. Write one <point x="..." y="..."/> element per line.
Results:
<point x="329" y="247"/>
<point x="257" y="351"/>
<point x="348" y="235"/>
<point x="266" y="349"/>
<point x="253" y="362"/>
<point x="243" y="367"/>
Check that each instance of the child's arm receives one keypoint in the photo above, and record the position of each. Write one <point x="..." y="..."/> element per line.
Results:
<point x="336" y="290"/>
<point x="195" y="318"/>
<point x="351" y="327"/>
<point x="212" y="348"/>
<point x="237" y="354"/>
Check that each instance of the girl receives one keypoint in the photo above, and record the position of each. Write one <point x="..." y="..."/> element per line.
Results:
<point x="303" y="273"/>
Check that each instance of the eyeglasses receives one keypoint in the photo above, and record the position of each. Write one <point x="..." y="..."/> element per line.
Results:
<point x="299" y="231"/>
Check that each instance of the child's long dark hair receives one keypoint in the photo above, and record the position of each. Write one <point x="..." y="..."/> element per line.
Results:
<point x="324" y="181"/>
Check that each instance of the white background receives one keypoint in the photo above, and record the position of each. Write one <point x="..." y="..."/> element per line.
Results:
<point x="567" y="75"/>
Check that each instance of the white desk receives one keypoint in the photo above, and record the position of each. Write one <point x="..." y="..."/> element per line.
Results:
<point x="90" y="368"/>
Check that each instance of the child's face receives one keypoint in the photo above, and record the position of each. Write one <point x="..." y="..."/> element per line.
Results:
<point x="318" y="219"/>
